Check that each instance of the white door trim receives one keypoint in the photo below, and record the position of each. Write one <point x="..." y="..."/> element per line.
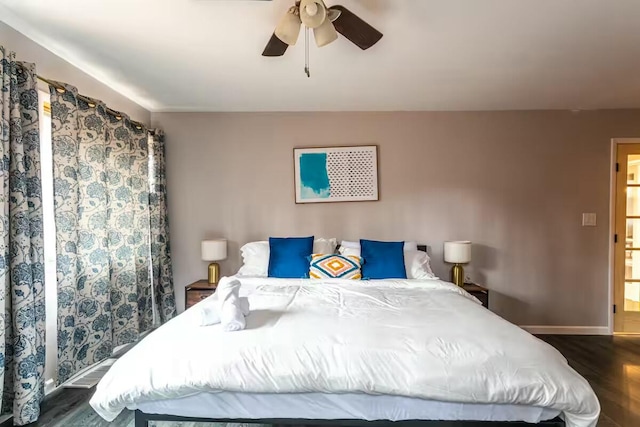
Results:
<point x="612" y="219"/>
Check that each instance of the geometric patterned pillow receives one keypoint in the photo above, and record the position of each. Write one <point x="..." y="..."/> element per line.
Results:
<point x="335" y="267"/>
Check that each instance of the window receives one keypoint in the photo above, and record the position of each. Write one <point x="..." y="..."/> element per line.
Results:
<point x="51" y="295"/>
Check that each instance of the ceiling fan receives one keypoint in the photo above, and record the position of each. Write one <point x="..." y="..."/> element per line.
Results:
<point x="325" y="22"/>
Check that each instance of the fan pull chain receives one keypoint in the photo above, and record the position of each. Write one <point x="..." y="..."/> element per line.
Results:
<point x="306" y="51"/>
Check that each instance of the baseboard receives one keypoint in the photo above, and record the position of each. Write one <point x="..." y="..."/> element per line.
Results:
<point x="566" y="330"/>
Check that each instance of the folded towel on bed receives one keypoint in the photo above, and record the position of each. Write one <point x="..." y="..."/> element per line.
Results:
<point x="210" y="313"/>
<point x="231" y="310"/>
<point x="231" y="316"/>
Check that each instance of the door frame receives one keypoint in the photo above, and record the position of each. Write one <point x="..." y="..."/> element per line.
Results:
<point x="615" y="142"/>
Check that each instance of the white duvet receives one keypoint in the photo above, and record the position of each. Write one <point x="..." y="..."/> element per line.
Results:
<point x="425" y="339"/>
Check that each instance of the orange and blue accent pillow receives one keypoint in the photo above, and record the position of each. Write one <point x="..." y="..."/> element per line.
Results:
<point x="324" y="266"/>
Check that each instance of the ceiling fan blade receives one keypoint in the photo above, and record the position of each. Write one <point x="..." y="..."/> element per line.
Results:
<point x="275" y="47"/>
<point x="355" y="29"/>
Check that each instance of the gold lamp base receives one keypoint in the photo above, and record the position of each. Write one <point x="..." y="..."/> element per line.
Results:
<point x="214" y="273"/>
<point x="457" y="275"/>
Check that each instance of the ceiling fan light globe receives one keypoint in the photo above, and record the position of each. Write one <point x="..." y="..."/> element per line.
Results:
<point x="325" y="34"/>
<point x="315" y="20"/>
<point x="288" y="28"/>
<point x="333" y="14"/>
<point x="311" y="9"/>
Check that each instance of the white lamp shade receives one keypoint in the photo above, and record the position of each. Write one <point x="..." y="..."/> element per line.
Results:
<point x="325" y="33"/>
<point x="333" y="14"/>
<point x="458" y="252"/>
<point x="288" y="28"/>
<point x="214" y="250"/>
<point x="312" y="13"/>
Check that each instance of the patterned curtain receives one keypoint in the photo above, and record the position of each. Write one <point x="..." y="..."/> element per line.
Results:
<point x="103" y="229"/>
<point x="160" y="249"/>
<point x="22" y="349"/>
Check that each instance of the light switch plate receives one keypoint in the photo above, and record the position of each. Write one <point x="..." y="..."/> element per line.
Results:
<point x="588" y="220"/>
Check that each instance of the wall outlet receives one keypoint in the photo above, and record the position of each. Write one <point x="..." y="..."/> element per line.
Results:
<point x="589" y="220"/>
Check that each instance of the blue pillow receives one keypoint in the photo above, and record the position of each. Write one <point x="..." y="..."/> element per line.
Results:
<point x="289" y="257"/>
<point x="382" y="260"/>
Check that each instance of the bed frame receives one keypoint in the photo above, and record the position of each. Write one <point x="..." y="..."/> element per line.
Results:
<point x="142" y="419"/>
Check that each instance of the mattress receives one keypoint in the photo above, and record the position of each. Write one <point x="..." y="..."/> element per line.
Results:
<point x="322" y="406"/>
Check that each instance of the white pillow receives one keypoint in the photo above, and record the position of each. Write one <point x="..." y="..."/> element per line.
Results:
<point x="417" y="263"/>
<point x="255" y="256"/>
<point x="255" y="259"/>
<point x="349" y="245"/>
<point x="325" y="246"/>
<point x="408" y="246"/>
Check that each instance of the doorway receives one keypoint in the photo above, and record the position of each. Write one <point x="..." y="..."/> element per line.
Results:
<point x="626" y="272"/>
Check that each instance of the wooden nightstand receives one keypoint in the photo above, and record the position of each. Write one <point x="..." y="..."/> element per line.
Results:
<point x="479" y="292"/>
<point x="196" y="292"/>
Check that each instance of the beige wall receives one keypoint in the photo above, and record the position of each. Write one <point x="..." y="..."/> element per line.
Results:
<point x="53" y="67"/>
<point x="515" y="183"/>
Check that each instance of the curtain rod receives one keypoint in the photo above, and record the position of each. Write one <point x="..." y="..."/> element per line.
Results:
<point x="92" y="102"/>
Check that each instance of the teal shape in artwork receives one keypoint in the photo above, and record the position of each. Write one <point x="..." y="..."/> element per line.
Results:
<point x="314" y="178"/>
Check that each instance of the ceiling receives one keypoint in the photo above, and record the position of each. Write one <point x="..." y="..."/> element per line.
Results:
<point x="204" y="55"/>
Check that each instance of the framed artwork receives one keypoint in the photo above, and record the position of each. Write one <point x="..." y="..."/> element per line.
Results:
<point x="336" y="174"/>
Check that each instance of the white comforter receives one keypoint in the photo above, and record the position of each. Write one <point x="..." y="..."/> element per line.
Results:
<point x="426" y="339"/>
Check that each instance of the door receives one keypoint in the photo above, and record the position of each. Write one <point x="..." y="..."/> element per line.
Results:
<point x="627" y="240"/>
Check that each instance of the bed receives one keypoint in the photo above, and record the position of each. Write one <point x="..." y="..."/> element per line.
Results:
<point x="407" y="352"/>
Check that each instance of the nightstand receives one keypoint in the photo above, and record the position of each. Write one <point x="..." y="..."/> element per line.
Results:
<point x="479" y="292"/>
<point x="196" y="292"/>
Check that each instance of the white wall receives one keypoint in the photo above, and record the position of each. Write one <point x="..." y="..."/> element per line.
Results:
<point x="53" y="67"/>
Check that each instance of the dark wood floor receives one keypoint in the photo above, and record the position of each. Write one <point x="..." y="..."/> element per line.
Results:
<point x="610" y="364"/>
<point x="612" y="367"/>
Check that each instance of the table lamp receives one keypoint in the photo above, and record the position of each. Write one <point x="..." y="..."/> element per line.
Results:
<point x="457" y="253"/>
<point x="214" y="250"/>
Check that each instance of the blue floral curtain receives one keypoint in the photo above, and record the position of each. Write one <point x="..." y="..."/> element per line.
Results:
<point x="160" y="249"/>
<point x="22" y="349"/>
<point x="103" y="229"/>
